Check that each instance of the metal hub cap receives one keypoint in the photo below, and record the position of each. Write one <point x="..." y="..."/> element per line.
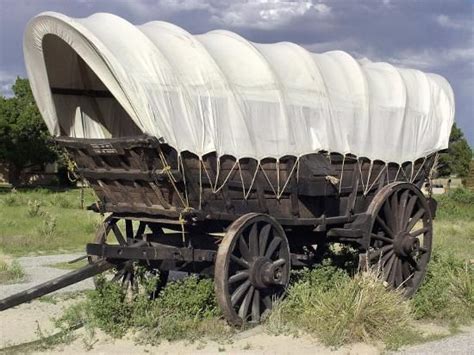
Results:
<point x="405" y="245"/>
<point x="265" y="273"/>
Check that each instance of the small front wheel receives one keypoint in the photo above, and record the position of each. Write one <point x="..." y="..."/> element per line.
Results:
<point x="252" y="268"/>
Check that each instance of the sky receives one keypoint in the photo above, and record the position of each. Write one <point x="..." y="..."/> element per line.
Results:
<point x="430" y="35"/>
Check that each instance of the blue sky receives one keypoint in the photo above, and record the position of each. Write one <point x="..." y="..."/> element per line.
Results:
<point x="431" y="35"/>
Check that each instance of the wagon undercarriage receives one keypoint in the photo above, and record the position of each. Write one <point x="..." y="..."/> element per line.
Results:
<point x="247" y="224"/>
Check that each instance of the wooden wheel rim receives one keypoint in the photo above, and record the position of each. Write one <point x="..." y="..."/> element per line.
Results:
<point x="126" y="273"/>
<point x="259" y="291"/>
<point x="401" y="255"/>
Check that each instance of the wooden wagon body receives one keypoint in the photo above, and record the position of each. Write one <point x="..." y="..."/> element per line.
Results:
<point x="245" y="221"/>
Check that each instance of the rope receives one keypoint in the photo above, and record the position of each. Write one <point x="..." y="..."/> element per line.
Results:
<point x="277" y="165"/>
<point x="404" y="173"/>
<point x="421" y="166"/>
<point x="268" y="180"/>
<point x="297" y="162"/>
<point x="377" y="178"/>
<point x="361" y="176"/>
<point x="396" y="175"/>
<point x="251" y="183"/>
<point x="368" y="177"/>
<point x="167" y="169"/>
<point x="226" y="179"/>
<point x="342" y="174"/>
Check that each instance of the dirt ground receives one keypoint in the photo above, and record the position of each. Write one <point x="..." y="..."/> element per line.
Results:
<point x="20" y="325"/>
<point x="29" y="322"/>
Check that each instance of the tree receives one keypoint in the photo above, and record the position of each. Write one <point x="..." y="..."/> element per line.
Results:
<point x="24" y="138"/>
<point x="458" y="157"/>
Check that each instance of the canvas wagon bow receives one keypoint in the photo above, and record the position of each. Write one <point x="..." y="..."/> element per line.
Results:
<point x="214" y="155"/>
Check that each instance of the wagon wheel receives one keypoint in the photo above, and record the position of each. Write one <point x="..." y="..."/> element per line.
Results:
<point x="127" y="273"/>
<point x="252" y="268"/>
<point x="400" y="236"/>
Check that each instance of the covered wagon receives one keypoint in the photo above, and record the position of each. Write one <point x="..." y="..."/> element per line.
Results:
<point x="215" y="155"/>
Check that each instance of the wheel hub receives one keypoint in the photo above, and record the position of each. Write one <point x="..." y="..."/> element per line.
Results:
<point x="264" y="273"/>
<point x="406" y="245"/>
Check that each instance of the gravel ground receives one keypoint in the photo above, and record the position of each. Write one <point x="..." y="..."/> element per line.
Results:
<point x="37" y="270"/>
<point x="458" y="344"/>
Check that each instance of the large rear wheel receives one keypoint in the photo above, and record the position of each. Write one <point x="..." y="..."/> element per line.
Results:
<point x="401" y="236"/>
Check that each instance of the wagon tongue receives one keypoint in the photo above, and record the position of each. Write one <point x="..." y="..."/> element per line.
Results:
<point x="55" y="284"/>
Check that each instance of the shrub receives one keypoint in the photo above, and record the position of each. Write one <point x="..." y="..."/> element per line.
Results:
<point x="10" y="271"/>
<point x="352" y="309"/>
<point x="457" y="204"/>
<point x="12" y="199"/>
<point x="48" y="225"/>
<point x="185" y="309"/>
<point x="33" y="208"/>
<point x="447" y="292"/>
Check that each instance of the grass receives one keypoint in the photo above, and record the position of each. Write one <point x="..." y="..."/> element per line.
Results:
<point x="341" y="309"/>
<point x="10" y="270"/>
<point x="68" y="266"/>
<point x="45" y="221"/>
<point x="184" y="310"/>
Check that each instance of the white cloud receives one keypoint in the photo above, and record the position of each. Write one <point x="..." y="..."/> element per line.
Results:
<point x="430" y="58"/>
<point x="267" y="14"/>
<point x="448" y="22"/>
<point x="6" y="82"/>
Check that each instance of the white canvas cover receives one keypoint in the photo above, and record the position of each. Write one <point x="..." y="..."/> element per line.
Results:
<point x="219" y="92"/>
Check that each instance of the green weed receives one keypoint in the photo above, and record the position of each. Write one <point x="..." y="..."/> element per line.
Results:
<point x="33" y="208"/>
<point x="447" y="292"/>
<point x="341" y="310"/>
<point x="10" y="271"/>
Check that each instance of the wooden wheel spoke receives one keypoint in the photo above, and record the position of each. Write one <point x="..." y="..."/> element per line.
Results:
<point x="386" y="257"/>
<point x="256" y="306"/>
<point x="244" y="249"/>
<point x="388" y="268"/>
<point x="402" y="208"/>
<point x="394" y="208"/>
<point x="422" y="250"/>
<point x="253" y="240"/>
<point x="388" y="213"/>
<point x="267" y="301"/>
<point x="118" y="275"/>
<point x="240" y="276"/>
<point x="392" y="272"/>
<point x="398" y="273"/>
<point x="264" y="233"/>
<point x="379" y="252"/>
<point x="244" y="307"/>
<point x="382" y="238"/>
<point x="279" y="262"/>
<point x="413" y="263"/>
<point x="415" y="219"/>
<point x="272" y="247"/>
<point x="409" y="209"/>
<point x="241" y="262"/>
<point x="384" y="226"/>
<point x="407" y="274"/>
<point x="239" y="292"/>
<point x="418" y="232"/>
<point x="118" y="234"/>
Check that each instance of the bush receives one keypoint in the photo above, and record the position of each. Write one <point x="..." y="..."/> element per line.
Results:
<point x="185" y="309"/>
<point x="339" y="309"/>
<point x="33" y="208"/>
<point x="456" y="204"/>
<point x="48" y="225"/>
<point x="12" y="199"/>
<point x="10" y="271"/>
<point x="447" y="292"/>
